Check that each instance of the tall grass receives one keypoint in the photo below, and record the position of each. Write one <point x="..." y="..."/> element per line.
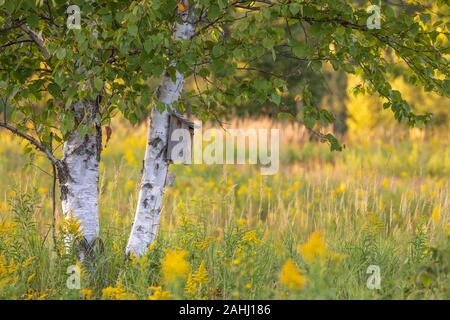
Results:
<point x="310" y="231"/>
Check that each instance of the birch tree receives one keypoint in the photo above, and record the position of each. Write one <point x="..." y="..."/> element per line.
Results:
<point x="155" y="166"/>
<point x="60" y="86"/>
<point x="237" y="54"/>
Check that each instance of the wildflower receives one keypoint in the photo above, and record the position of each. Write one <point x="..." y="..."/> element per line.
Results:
<point x="251" y="237"/>
<point x="375" y="222"/>
<point x="191" y="287"/>
<point x="159" y="294"/>
<point x="248" y="286"/>
<point x="72" y="226"/>
<point x="174" y="266"/>
<point x="315" y="247"/>
<point x="86" y="293"/>
<point x="242" y="222"/>
<point x="201" y="275"/>
<point x="435" y="216"/>
<point x="7" y="226"/>
<point x="43" y="296"/>
<point x="31" y="277"/>
<point x="202" y="245"/>
<point x="291" y="277"/>
<point x="3" y="207"/>
<point x="340" y="189"/>
<point x="129" y="157"/>
<point x="129" y="185"/>
<point x="27" y="262"/>
<point x="114" y="293"/>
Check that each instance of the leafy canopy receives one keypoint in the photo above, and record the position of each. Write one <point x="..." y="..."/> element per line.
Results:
<point x="118" y="55"/>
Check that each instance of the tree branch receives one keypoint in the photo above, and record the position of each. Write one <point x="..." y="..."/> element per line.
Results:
<point x="37" y="39"/>
<point x="33" y="141"/>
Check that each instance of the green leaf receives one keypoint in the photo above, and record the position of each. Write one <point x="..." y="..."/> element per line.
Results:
<point x="54" y="90"/>
<point x="214" y="11"/>
<point x="276" y="99"/>
<point x="132" y="29"/>
<point x="98" y="84"/>
<point x="295" y="8"/>
<point x="334" y="143"/>
<point x="61" y="53"/>
<point x="301" y="49"/>
<point x="148" y="45"/>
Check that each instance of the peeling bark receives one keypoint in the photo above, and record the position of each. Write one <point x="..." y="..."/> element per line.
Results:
<point x="79" y="187"/>
<point x="147" y="217"/>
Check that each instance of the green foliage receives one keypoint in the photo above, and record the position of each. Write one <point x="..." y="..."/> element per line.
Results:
<point x="242" y="53"/>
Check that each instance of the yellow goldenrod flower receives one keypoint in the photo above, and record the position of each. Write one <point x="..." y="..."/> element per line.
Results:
<point x="72" y="226"/>
<point x="7" y="227"/>
<point x="436" y="215"/>
<point x="314" y="248"/>
<point x="129" y="157"/>
<point x="191" y="287"/>
<point x="201" y="275"/>
<point x="251" y="237"/>
<point x="375" y="222"/>
<point x="159" y="294"/>
<point x="27" y="262"/>
<point x="86" y="293"/>
<point x="175" y="266"/>
<point x="116" y="293"/>
<point x="340" y="189"/>
<point x="291" y="277"/>
<point x="31" y="277"/>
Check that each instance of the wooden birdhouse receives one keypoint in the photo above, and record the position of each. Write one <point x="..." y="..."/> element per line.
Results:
<point x="181" y="136"/>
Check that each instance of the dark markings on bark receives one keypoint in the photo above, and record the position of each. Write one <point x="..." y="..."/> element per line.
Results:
<point x="143" y="167"/>
<point x="99" y="140"/>
<point x="145" y="203"/>
<point x="91" y="250"/>
<point x="155" y="141"/>
<point x="63" y="172"/>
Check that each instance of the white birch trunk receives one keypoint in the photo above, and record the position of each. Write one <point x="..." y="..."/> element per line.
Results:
<point x="79" y="191"/>
<point x="147" y="216"/>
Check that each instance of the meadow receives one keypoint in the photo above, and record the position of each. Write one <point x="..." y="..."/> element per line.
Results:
<point x="310" y="231"/>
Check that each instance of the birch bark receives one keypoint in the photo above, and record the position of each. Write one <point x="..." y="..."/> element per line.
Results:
<point x="78" y="171"/>
<point x="79" y="190"/>
<point x="147" y="216"/>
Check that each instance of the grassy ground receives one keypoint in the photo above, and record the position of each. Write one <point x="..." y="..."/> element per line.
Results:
<point x="309" y="232"/>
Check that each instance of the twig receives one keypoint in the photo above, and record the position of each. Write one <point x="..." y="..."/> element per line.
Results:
<point x="53" y="196"/>
<point x="33" y="141"/>
<point x="37" y="39"/>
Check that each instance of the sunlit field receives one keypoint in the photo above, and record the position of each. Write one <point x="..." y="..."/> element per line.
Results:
<point x="311" y="231"/>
